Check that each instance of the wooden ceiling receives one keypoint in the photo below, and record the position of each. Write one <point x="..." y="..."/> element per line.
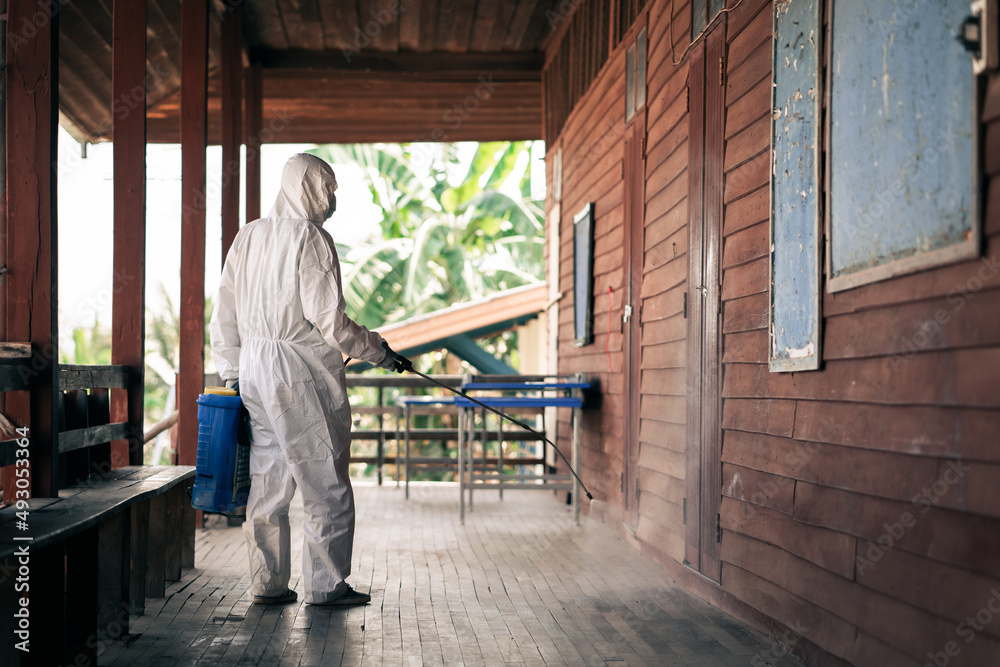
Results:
<point x="85" y="62"/>
<point x="453" y="26"/>
<point x="334" y="71"/>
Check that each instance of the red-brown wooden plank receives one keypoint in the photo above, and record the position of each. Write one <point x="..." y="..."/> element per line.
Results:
<point x="194" y="93"/>
<point x="32" y="248"/>
<point x="232" y="116"/>
<point x="128" y="300"/>
<point x="757" y="487"/>
<point x="905" y="330"/>
<point x="884" y="474"/>
<point x="924" y="430"/>
<point x="253" y="127"/>
<point x="829" y="549"/>
<point x="760" y="416"/>
<point x="8" y="472"/>
<point x="964" y="540"/>
<point x="745" y="314"/>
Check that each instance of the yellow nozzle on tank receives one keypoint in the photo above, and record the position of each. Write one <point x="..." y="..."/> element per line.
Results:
<point x="220" y="391"/>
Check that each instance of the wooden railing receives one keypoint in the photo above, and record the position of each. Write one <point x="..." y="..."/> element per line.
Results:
<point x="83" y="405"/>
<point x="386" y="428"/>
<point x="15" y="372"/>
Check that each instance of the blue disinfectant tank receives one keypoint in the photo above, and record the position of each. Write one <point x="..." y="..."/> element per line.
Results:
<point x="222" y="476"/>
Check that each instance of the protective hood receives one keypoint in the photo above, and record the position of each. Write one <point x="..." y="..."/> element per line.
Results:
<point x="307" y="187"/>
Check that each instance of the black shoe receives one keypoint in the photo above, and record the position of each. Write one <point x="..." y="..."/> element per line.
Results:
<point x="288" y="596"/>
<point x="349" y="598"/>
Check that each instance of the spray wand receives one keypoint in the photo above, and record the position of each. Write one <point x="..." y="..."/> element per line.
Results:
<point x="406" y="365"/>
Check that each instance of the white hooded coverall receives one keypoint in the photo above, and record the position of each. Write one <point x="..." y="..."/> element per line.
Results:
<point x="279" y="328"/>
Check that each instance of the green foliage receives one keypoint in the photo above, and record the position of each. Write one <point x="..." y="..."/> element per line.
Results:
<point x="451" y="232"/>
<point x="92" y="346"/>
<point x="162" y="350"/>
<point x="454" y="229"/>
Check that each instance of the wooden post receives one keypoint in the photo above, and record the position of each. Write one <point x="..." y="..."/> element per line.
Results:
<point x="194" y="112"/>
<point x="190" y="518"/>
<point x="82" y="565"/>
<point x="5" y="473"/>
<point x="113" y="562"/>
<point x="157" y="546"/>
<point x="138" y="560"/>
<point x="232" y="125"/>
<point x="173" y="557"/>
<point x="254" y="125"/>
<point x="128" y="329"/>
<point x="47" y="605"/>
<point x="32" y="249"/>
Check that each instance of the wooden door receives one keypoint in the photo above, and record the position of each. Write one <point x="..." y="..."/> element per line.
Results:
<point x="634" y="177"/>
<point x="635" y="174"/>
<point x="704" y="433"/>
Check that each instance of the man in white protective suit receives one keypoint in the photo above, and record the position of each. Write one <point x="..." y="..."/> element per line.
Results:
<point x="280" y="331"/>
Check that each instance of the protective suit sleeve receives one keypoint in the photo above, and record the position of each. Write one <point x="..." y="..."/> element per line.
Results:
<point x="324" y="306"/>
<point x="225" y="334"/>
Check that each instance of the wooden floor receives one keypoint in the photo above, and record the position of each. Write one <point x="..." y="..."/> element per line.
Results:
<point x="518" y="584"/>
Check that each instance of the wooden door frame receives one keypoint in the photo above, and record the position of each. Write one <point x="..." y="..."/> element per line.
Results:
<point x="634" y="216"/>
<point x="704" y="396"/>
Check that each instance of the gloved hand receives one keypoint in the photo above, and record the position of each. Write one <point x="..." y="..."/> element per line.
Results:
<point x="393" y="361"/>
<point x="233" y="384"/>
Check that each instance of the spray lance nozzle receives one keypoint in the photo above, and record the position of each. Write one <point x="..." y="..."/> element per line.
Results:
<point x="404" y="364"/>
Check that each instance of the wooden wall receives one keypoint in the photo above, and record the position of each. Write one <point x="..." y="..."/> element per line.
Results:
<point x="593" y="142"/>
<point x="822" y="470"/>
<point x="663" y="378"/>
<point x="593" y="151"/>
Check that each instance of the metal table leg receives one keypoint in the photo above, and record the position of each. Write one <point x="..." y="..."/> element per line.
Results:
<point x="396" y="473"/>
<point x="407" y="460"/>
<point x="500" y="455"/>
<point x="576" y="464"/>
<point x="461" y="466"/>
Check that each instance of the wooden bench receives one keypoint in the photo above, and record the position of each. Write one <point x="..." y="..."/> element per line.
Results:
<point x="75" y="566"/>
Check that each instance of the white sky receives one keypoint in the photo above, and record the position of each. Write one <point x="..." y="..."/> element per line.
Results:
<point x="86" y="222"/>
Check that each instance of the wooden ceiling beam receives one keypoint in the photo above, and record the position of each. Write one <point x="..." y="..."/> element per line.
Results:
<point x="354" y="107"/>
<point x="412" y="63"/>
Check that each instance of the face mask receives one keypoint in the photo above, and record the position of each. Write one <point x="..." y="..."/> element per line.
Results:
<point x="333" y="207"/>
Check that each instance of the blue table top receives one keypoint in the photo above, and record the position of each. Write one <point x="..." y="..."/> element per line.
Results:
<point x="522" y="401"/>
<point x="430" y="400"/>
<point x="526" y="386"/>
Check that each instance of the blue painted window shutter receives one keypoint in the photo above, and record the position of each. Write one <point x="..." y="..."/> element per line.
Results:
<point x="903" y="174"/>
<point x="795" y="187"/>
